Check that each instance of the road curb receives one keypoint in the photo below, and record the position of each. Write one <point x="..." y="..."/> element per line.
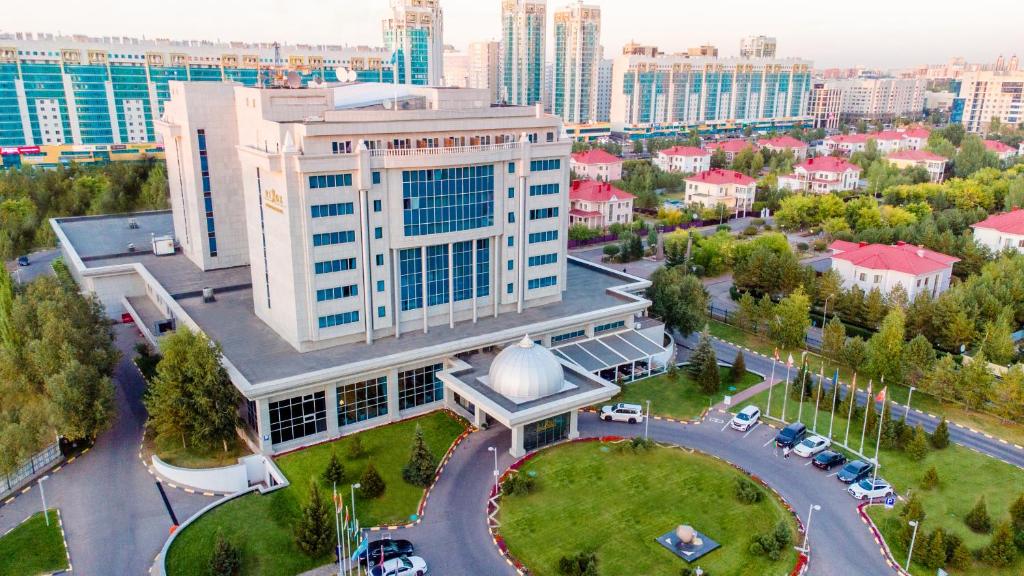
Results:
<point x="63" y="537"/>
<point x="877" y="535"/>
<point x="28" y="488"/>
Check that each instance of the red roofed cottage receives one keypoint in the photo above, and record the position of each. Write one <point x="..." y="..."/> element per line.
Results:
<point x="869" y="266"/>
<point x="1001" y="231"/>
<point x="732" y="189"/>
<point x="597" y="165"/>
<point x="822" y="175"/>
<point x="599" y="204"/>
<point x="683" y="159"/>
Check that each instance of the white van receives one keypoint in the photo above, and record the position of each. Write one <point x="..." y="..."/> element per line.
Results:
<point x="622" y="412"/>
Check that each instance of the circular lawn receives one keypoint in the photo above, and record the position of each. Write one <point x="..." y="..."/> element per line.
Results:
<point x="614" y="502"/>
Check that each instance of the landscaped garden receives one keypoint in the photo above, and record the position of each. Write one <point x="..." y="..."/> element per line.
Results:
<point x="34" y="548"/>
<point x="678" y="395"/>
<point x="262" y="527"/>
<point x="615" y="500"/>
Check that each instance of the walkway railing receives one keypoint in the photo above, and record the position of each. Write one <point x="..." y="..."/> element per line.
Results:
<point x="444" y="150"/>
<point x="36" y="464"/>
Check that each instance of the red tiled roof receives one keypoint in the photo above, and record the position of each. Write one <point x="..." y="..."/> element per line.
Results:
<point x="596" y="156"/>
<point x="843" y="246"/>
<point x="733" y="146"/>
<point x="685" y="151"/>
<point x="848" y="138"/>
<point x="592" y="191"/>
<point x="887" y="135"/>
<point x="906" y="258"/>
<point x="916" y="156"/>
<point x="917" y="132"/>
<point x="1011" y="222"/>
<point x="720" y="176"/>
<point x="783" y="142"/>
<point x="827" y="164"/>
<point x="998" y="147"/>
<point x="583" y="213"/>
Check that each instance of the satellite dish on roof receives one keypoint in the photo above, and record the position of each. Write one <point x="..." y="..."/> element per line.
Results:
<point x="345" y="75"/>
<point x="293" y="80"/>
<point x="388" y="104"/>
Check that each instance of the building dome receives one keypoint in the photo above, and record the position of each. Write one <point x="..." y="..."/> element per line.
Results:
<point x="526" y="372"/>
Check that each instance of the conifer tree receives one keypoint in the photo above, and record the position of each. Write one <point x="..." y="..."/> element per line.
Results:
<point x="313" y="533"/>
<point x="422" y="465"/>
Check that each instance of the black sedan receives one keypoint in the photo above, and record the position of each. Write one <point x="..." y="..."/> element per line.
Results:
<point x="828" y="460"/>
<point x="387" y="548"/>
<point x="854" y="471"/>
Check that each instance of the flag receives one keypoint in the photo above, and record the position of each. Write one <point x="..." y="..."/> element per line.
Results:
<point x="776" y="354"/>
<point x="835" y="379"/>
<point x="789" y="361"/>
<point x="881" y="395"/>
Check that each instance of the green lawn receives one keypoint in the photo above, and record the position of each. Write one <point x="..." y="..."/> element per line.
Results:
<point x="33" y="548"/>
<point x="592" y="497"/>
<point x="261" y="525"/>
<point x="171" y="451"/>
<point x="965" y="475"/>
<point x="1008" y="431"/>
<point x="680" y="399"/>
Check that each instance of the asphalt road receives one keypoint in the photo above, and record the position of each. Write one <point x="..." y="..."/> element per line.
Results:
<point x="114" y="516"/>
<point x="38" y="265"/>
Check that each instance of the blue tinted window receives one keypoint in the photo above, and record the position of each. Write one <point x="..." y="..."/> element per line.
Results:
<point x="447" y="199"/>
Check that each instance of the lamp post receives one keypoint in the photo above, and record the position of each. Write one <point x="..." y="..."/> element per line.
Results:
<point x="42" y="493"/>
<point x="495" y="451"/>
<point x="909" y="396"/>
<point x="824" y="314"/>
<point x="337" y="529"/>
<point x="355" y="522"/>
<point x="807" y="532"/>
<point x="913" y="537"/>
<point x="647" y="419"/>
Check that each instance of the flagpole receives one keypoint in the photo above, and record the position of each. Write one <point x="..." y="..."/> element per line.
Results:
<point x="881" y="420"/>
<point x="785" y="396"/>
<point x="817" y="398"/>
<point x="849" y="416"/>
<point x="771" y="384"/>
<point x="835" y="395"/>
<point x="337" y="529"/>
<point x="864" y="430"/>
<point x="803" y="387"/>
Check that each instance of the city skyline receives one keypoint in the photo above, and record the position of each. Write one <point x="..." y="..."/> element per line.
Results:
<point x="800" y="32"/>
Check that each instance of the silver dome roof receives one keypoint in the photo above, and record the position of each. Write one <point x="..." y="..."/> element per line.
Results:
<point x="526" y="372"/>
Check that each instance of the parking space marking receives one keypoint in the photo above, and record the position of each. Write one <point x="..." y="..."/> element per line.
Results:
<point x="724" y="426"/>
<point x="832" y="474"/>
<point x="756" y="424"/>
<point x="770" y="440"/>
<point x="808" y="463"/>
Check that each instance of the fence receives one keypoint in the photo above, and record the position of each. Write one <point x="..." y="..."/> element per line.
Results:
<point x="642" y="232"/>
<point x="812" y="343"/>
<point x="28" y="470"/>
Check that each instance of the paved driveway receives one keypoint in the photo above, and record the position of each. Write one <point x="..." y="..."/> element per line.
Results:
<point x="38" y="265"/>
<point x="114" y="515"/>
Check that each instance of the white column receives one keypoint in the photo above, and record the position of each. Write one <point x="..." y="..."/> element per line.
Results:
<point x="423" y="286"/>
<point x="574" y="428"/>
<point x="364" y="238"/>
<point x="26" y="121"/>
<point x="517" y="450"/>
<point x="263" y="411"/>
<point x="451" y="285"/>
<point x="479" y="416"/>
<point x="393" y="404"/>
<point x="333" y="423"/>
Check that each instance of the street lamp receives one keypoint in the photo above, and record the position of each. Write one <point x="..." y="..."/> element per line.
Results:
<point x="647" y="419"/>
<point x="824" y="314"/>
<point x="355" y="522"/>
<point x="807" y="532"/>
<point x="909" y="396"/>
<point x="495" y="451"/>
<point x="913" y="537"/>
<point x="42" y="493"/>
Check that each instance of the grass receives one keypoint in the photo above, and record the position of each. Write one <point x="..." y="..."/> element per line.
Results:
<point x="1009" y="431"/>
<point x="965" y="476"/>
<point x="171" y="451"/>
<point x="681" y="398"/>
<point x="595" y="498"/>
<point x="261" y="525"/>
<point x="33" y="547"/>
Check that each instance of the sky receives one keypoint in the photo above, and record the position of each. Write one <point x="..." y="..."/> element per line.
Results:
<point x="831" y="33"/>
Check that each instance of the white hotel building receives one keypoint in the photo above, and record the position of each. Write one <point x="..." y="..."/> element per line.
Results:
<point x="362" y="252"/>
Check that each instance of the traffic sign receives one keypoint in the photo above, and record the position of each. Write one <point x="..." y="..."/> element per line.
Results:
<point x="727" y="400"/>
<point x="890" y="502"/>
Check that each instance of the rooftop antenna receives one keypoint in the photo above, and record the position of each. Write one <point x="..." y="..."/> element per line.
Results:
<point x="277" y="54"/>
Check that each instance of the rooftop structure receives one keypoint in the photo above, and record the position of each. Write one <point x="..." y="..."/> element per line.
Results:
<point x="882" y="266"/>
<point x="597" y="164"/>
<point x="1001" y="231"/>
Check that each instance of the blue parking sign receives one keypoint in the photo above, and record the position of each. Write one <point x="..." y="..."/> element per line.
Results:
<point x="890" y="502"/>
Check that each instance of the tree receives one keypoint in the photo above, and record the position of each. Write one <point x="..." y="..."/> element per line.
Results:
<point x="83" y="397"/>
<point x="855" y="352"/>
<point x="422" y="465"/>
<point x="1017" y="513"/>
<point x="940" y="438"/>
<point x="226" y="559"/>
<point x="885" y="349"/>
<point x="738" y="369"/>
<point x="719" y="159"/>
<point x="1001" y="551"/>
<point x="155" y="190"/>
<point x="704" y="365"/>
<point x="8" y="335"/>
<point x="355" y="448"/>
<point x="973" y="156"/>
<point x="930" y="480"/>
<point x="934" y="550"/>
<point x="833" y="338"/>
<point x="334" y="473"/>
<point x="314" y="532"/>
<point x="582" y="564"/>
<point x="679" y="299"/>
<point x="792" y="320"/>
<point x="874" y="308"/>
<point x="746" y="315"/>
<point x="917" y="449"/>
<point x="371" y="484"/>
<point x="978" y="519"/>
<point x="1008" y="394"/>
<point x="918" y="358"/>
<point x="974" y="384"/>
<point x="997" y="343"/>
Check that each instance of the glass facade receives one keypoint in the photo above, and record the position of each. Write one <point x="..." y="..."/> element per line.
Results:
<point x="420" y="386"/>
<point x="543" y="189"/>
<point x="326" y="210"/>
<point x="411" y="272"/>
<point x="331" y="266"/>
<point x="204" y="166"/>
<point x="447" y="199"/>
<point x="298" y="417"/>
<point x="539" y="237"/>
<point x="546" y="432"/>
<point x="544" y="282"/>
<point x="332" y="320"/>
<point x="545" y="164"/>
<point x="362" y="401"/>
<point x="542" y="259"/>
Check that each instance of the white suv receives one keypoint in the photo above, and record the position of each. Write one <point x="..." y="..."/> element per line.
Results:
<point x="745" y="419"/>
<point x="868" y="489"/>
<point x="631" y="413"/>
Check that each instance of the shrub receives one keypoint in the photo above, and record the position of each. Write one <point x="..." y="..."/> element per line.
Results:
<point x="978" y="519"/>
<point x="757" y="222"/>
<point x="802" y="246"/>
<point x="739" y="367"/>
<point x="767" y="227"/>
<point x="335" y="472"/>
<point x="355" y="448"/>
<point x="611" y="250"/>
<point x="422" y="465"/>
<point x="772" y="544"/>
<point x="933" y="550"/>
<point x="940" y="438"/>
<point x="582" y="564"/>
<point x="313" y="533"/>
<point x="747" y="492"/>
<point x="750" y="230"/>
<point x="930" y="480"/>
<point x="722" y="228"/>
<point x="918" y="447"/>
<point x="371" y="485"/>
<point x="819" y="245"/>
<point x="1001" y="551"/>
<point x="518" y="484"/>
<point x="641" y="444"/>
<point x="226" y="559"/>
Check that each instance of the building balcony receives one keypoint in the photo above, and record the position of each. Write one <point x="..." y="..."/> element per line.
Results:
<point x="444" y="151"/>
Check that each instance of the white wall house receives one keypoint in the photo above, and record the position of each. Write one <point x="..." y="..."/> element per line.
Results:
<point x="730" y="147"/>
<point x="732" y="189"/>
<point x="785" y="143"/>
<point x="683" y="160"/>
<point x="1003" y="151"/>
<point x="915" y="138"/>
<point x="822" y="175"/>
<point x="846" y="144"/>
<point x="869" y="266"/>
<point x="1001" y="231"/>
<point x="597" y="165"/>
<point x="933" y="163"/>
<point x="599" y="204"/>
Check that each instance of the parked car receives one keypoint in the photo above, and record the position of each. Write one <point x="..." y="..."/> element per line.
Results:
<point x="405" y="566"/>
<point x="745" y="418"/>
<point x="791" y="435"/>
<point x="854" y="471"/>
<point x="828" y="460"/>
<point x="387" y="548"/>
<point x="22" y="260"/>
<point x="869" y="489"/>
<point x="623" y="412"/>
<point x="812" y="446"/>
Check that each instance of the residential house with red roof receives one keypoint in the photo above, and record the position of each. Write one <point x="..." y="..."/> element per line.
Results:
<point x="933" y="163"/>
<point x="1001" y="231"/>
<point x="883" y="266"/>
<point x="596" y="164"/>
<point x="732" y="189"/>
<point x="784" y="143"/>
<point x="730" y="147"/>
<point x="846" y="144"/>
<point x="599" y="204"/>
<point x="683" y="160"/>
<point x="1003" y="151"/>
<point x="916" y="138"/>
<point x="887" y="141"/>
<point x="822" y="175"/>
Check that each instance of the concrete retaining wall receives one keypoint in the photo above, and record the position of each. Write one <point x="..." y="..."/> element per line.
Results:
<point x="226" y="480"/>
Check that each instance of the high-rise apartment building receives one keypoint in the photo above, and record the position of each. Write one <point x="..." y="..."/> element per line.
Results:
<point x="577" y="37"/>
<point x="483" y="67"/>
<point x="523" y="29"/>
<point x="992" y="94"/>
<point x="604" y="89"/>
<point x="825" y="105"/>
<point x="456" y="68"/>
<point x="757" y="47"/>
<point x="549" y="86"/>
<point x="414" y="38"/>
<point x="706" y="50"/>
<point x="880" y="97"/>
<point x="80" y="90"/>
<point x="671" y="94"/>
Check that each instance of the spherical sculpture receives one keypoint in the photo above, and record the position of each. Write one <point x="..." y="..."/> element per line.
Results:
<point x="526" y="372"/>
<point x="687" y="536"/>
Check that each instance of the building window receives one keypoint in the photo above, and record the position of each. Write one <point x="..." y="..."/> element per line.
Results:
<point x="381" y="312"/>
<point x="543" y="259"/>
<point x="878" y="278"/>
<point x="508" y="288"/>
<point x="379" y="259"/>
<point x="511" y="217"/>
<point x="544" y="282"/>
<point x="862" y="276"/>
<point x="511" y="167"/>
<point x="510" y="265"/>
<point x="380" y="285"/>
<point x="462" y="273"/>
<point x="341" y="147"/>
<point x="252" y="415"/>
<point x="337" y="293"/>
<point x="542" y="213"/>
<point x="362" y="401"/>
<point x="411" y="277"/>
<point x="437" y="275"/>
<point x="483" y="267"/>
<point x="378" y="233"/>
<point x="330" y="181"/>
<point x="567" y="336"/>
<point x="511" y="241"/>
<point x="546" y="432"/>
<point x="332" y="320"/>
<point x="609" y="326"/>
<point x="376" y="205"/>
<point x="539" y="237"/>
<point x="511" y="192"/>
<point x="330" y="266"/>
<point x="375" y="177"/>
<point x="298" y="417"/>
<point x="326" y="210"/>
<point x="546" y="164"/>
<point x="204" y="163"/>
<point x="331" y="238"/>
<point x="420" y="386"/>
<point x="447" y="199"/>
<point x="543" y="189"/>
